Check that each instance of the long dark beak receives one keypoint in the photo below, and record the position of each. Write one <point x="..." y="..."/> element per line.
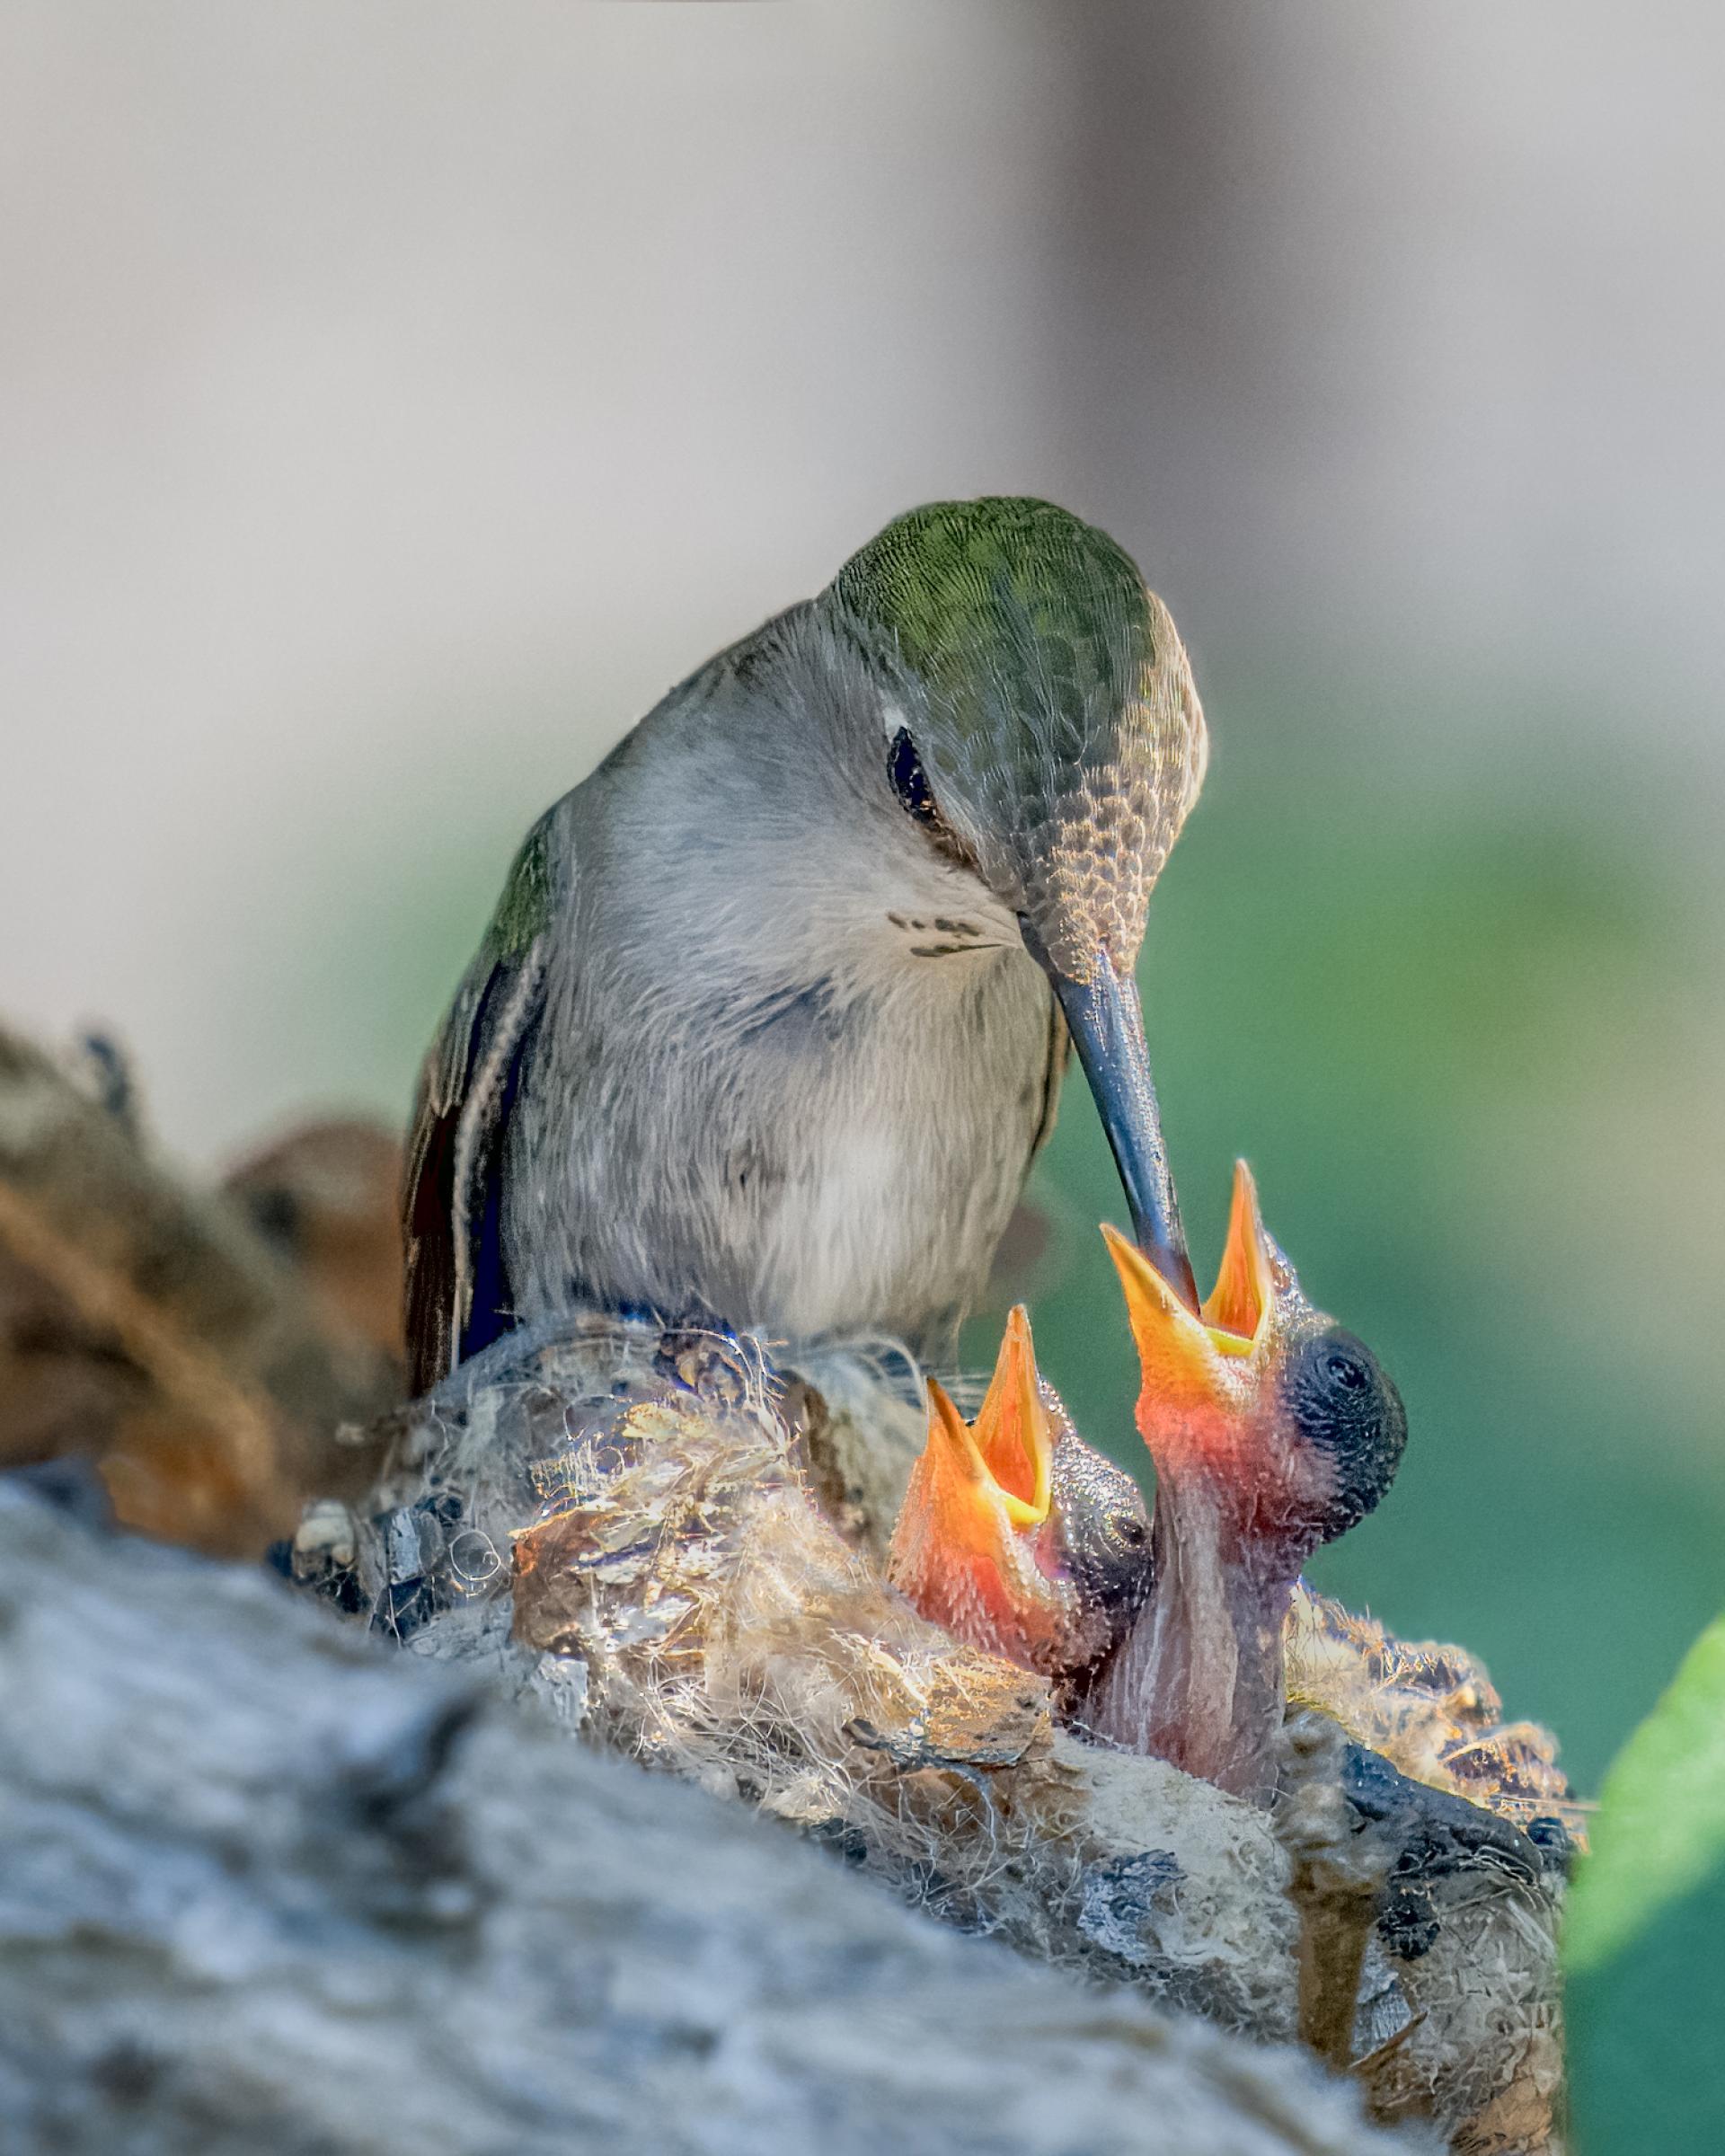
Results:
<point x="1107" y="1024"/>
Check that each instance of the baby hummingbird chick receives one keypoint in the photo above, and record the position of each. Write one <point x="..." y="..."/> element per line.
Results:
<point x="1272" y="1431"/>
<point x="1014" y="1536"/>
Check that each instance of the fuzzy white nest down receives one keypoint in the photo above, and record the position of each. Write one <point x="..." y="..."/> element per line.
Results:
<point x="671" y="1546"/>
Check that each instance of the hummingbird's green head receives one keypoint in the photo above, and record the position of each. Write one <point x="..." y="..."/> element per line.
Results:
<point x="1046" y="709"/>
<point x="1039" y="721"/>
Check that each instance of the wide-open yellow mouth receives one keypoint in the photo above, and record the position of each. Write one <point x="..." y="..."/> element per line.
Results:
<point x="1176" y="1349"/>
<point x="1007" y="1453"/>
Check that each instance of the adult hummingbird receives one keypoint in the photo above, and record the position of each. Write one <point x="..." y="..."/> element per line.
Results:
<point x="772" y="1014"/>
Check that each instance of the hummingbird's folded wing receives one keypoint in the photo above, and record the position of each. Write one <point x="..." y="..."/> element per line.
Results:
<point x="457" y="1292"/>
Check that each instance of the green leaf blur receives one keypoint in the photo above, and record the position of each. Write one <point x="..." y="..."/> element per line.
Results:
<point x="1643" y="1929"/>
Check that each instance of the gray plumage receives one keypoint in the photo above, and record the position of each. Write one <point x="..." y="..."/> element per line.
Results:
<point x="755" y="1034"/>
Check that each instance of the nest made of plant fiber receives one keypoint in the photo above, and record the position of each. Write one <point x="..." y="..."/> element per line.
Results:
<point x="693" y="1534"/>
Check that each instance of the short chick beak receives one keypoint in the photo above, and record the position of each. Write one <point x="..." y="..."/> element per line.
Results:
<point x="1182" y="1355"/>
<point x="1012" y="1432"/>
<point x="982" y="1481"/>
<point x="1245" y="1283"/>
<point x="974" y="1492"/>
<point x="1106" y="1021"/>
<point x="1176" y="1354"/>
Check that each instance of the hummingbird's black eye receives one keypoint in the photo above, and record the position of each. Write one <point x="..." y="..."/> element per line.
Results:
<point x="1126" y="1529"/>
<point x="910" y="781"/>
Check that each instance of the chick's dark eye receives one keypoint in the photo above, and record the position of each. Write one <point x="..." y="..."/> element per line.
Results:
<point x="1346" y="1406"/>
<point x="1129" y="1530"/>
<point x="910" y="781"/>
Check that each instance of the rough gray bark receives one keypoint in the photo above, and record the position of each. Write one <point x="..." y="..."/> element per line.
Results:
<point x="264" y="1887"/>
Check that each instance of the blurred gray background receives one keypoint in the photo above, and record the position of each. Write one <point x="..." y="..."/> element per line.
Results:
<point x="395" y="399"/>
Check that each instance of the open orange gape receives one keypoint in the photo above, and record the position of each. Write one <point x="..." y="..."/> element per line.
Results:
<point x="1014" y="1536"/>
<point x="1272" y="1431"/>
